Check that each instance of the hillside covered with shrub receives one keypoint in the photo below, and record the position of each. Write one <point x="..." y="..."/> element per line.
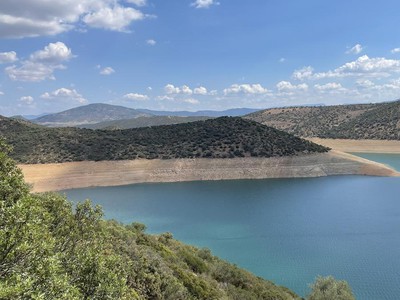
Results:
<point x="50" y="250"/>
<point x="380" y="121"/>
<point x="225" y="137"/>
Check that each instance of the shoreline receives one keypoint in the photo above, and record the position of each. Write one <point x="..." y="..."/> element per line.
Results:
<point x="61" y="176"/>
<point x="360" y="146"/>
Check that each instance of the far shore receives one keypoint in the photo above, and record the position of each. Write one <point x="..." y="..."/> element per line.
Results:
<point x="62" y="176"/>
<point x="361" y="146"/>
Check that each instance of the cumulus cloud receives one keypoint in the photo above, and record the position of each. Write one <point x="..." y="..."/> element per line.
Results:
<point x="113" y="18"/>
<point x="245" y="89"/>
<point x="204" y="3"/>
<point x="107" y="71"/>
<point x="8" y="57"/>
<point x="331" y="87"/>
<point x="363" y="66"/>
<point x="171" y="89"/>
<point x="303" y="73"/>
<point x="286" y="86"/>
<point x="27" y="100"/>
<point x="395" y="50"/>
<point x="136" y="97"/>
<point x="356" y="49"/>
<point x="64" y="94"/>
<point x="41" y="64"/>
<point x="201" y="90"/>
<point x="39" y="17"/>
<point x="151" y="42"/>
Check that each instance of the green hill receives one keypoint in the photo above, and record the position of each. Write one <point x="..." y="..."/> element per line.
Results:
<point x="225" y="137"/>
<point x="357" y="121"/>
<point x="142" y="122"/>
<point x="50" y="250"/>
<point x="87" y="114"/>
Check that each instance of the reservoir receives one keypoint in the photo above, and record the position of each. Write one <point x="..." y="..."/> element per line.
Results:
<point x="285" y="230"/>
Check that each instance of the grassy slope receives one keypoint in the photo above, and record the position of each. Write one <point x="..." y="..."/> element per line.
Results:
<point x="358" y="121"/>
<point x="225" y="137"/>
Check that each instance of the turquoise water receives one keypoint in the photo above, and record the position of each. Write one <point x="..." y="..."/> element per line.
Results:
<point x="285" y="230"/>
<point x="392" y="160"/>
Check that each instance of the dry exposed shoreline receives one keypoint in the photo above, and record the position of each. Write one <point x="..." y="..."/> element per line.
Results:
<point x="362" y="146"/>
<point x="53" y="177"/>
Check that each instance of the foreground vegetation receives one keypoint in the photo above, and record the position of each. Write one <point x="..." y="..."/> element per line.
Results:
<point x="379" y="121"/>
<point x="225" y="137"/>
<point x="50" y="251"/>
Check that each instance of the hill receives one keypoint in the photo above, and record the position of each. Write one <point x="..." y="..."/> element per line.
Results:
<point x="357" y="121"/>
<point x="225" y="137"/>
<point x="142" y="122"/>
<point x="88" y="114"/>
<point x="52" y="250"/>
<point x="233" y="112"/>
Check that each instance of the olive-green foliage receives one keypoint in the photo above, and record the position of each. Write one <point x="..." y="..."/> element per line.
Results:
<point x="328" y="288"/>
<point x="50" y="250"/>
<point x="379" y="121"/>
<point x="225" y="137"/>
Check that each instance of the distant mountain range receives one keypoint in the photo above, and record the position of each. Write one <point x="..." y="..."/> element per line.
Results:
<point x="356" y="121"/>
<point x="100" y="112"/>
<point x="142" y="122"/>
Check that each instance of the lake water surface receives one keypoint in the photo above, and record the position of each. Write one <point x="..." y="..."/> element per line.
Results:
<point x="285" y="230"/>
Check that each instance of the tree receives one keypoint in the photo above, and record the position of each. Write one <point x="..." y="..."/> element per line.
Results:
<point x="328" y="288"/>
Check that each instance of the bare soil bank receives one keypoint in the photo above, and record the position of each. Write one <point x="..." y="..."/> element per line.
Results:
<point x="53" y="177"/>
<point x="362" y="146"/>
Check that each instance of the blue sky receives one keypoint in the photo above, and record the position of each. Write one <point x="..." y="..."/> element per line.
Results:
<point x="196" y="54"/>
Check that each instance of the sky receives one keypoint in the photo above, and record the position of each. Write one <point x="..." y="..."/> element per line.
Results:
<point x="196" y="54"/>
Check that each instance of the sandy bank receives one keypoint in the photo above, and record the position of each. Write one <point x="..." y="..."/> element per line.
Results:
<point x="53" y="177"/>
<point x="363" y="146"/>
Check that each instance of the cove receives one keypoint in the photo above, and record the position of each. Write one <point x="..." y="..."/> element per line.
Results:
<point x="286" y="230"/>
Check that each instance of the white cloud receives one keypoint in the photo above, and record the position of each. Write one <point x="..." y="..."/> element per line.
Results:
<point x="395" y="50"/>
<point x="1" y="93"/>
<point x="151" y="42"/>
<point x="171" y="89"/>
<point x="245" y="89"/>
<point x="303" y="73"/>
<point x="204" y="3"/>
<point x="28" y="100"/>
<point x="191" y="101"/>
<point x="331" y="87"/>
<point x="186" y="90"/>
<point x="64" y="94"/>
<point x="41" y="64"/>
<point x="201" y="90"/>
<point x="286" y="86"/>
<point x="356" y="49"/>
<point x="43" y="17"/>
<point x="362" y="67"/>
<point x="282" y="60"/>
<point x="107" y="71"/>
<point x="113" y="18"/>
<point x="364" y="83"/>
<point x="53" y="53"/>
<point x="136" y="97"/>
<point x="164" y="97"/>
<point x="137" y="2"/>
<point x="8" y="57"/>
